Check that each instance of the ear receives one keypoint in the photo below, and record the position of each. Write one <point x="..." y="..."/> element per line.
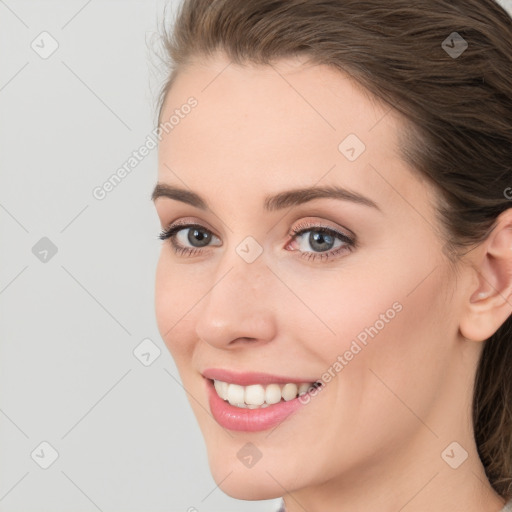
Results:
<point x="489" y="298"/>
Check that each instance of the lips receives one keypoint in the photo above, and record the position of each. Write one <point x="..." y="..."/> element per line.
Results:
<point x="253" y="401"/>
<point x="248" y="378"/>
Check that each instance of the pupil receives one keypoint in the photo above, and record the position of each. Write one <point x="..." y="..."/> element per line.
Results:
<point x="195" y="235"/>
<point x="320" y="238"/>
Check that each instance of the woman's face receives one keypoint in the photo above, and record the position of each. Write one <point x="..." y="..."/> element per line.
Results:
<point x="374" y="320"/>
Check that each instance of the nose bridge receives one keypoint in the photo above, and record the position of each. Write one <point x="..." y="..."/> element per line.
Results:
<point x="238" y="303"/>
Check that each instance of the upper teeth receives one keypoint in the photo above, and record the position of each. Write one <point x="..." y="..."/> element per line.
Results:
<point x="257" y="395"/>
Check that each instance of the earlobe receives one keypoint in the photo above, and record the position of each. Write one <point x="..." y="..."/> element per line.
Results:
<point x="490" y="302"/>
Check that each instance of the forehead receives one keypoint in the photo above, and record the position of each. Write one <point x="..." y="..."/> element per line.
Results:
<point x="269" y="126"/>
<point x="304" y="98"/>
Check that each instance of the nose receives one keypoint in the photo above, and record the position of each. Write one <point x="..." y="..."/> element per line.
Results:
<point x="239" y="306"/>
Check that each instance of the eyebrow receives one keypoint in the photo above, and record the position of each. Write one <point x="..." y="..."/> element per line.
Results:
<point x="275" y="202"/>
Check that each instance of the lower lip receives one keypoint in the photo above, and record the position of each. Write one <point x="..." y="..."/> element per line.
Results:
<point x="249" y="420"/>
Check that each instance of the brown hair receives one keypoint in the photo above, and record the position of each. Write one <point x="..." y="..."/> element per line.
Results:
<point x="457" y="108"/>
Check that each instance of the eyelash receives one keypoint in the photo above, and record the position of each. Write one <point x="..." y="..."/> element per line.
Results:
<point x="349" y="243"/>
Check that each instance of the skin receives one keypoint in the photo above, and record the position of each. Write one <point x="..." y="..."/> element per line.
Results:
<point x="372" y="439"/>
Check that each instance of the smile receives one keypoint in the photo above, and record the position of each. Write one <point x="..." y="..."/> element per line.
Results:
<point x="259" y="395"/>
<point x="254" y="402"/>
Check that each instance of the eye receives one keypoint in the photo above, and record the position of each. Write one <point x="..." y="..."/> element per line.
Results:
<point x="326" y="242"/>
<point x="182" y="234"/>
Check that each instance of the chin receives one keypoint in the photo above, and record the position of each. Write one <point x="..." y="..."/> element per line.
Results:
<point x="263" y="480"/>
<point x="245" y="484"/>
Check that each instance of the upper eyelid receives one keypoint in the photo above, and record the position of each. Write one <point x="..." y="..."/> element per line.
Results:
<point x="300" y="221"/>
<point x="299" y="213"/>
<point x="304" y="226"/>
<point x="189" y="221"/>
<point x="310" y="226"/>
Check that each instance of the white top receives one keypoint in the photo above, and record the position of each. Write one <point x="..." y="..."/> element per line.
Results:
<point x="507" y="507"/>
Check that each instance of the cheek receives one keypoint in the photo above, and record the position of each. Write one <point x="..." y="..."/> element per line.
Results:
<point x="403" y="358"/>
<point x="331" y="309"/>
<point x="377" y="330"/>
<point x="163" y="300"/>
<point x="173" y="298"/>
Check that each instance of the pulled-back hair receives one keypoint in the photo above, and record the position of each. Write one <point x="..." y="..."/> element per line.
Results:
<point x="457" y="110"/>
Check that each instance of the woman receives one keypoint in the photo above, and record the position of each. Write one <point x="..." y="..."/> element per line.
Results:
<point x="335" y="284"/>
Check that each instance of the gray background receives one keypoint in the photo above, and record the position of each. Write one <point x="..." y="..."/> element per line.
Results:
<point x="70" y="321"/>
<point x="124" y="432"/>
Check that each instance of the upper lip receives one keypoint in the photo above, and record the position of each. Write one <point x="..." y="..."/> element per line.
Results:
<point x="249" y="378"/>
